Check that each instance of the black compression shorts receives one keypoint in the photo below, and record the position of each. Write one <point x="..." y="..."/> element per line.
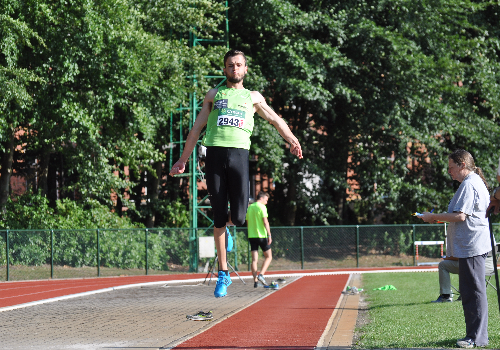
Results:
<point x="255" y="243"/>
<point x="226" y="171"/>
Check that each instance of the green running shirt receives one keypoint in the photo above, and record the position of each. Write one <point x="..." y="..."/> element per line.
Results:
<point x="230" y="123"/>
<point x="256" y="229"/>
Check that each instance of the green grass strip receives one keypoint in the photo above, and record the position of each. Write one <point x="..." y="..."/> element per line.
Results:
<point x="406" y="318"/>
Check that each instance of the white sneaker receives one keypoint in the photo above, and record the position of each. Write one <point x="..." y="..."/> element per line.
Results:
<point x="262" y="280"/>
<point x="466" y="343"/>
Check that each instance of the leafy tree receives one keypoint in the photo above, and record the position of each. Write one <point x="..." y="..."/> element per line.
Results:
<point x="113" y="72"/>
<point x="15" y="99"/>
<point x="32" y="211"/>
<point x="379" y="92"/>
<point x="184" y="27"/>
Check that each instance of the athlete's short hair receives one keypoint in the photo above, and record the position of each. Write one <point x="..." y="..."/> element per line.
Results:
<point x="262" y="194"/>
<point x="232" y="53"/>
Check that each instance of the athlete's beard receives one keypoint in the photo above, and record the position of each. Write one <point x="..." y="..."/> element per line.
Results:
<point x="236" y="80"/>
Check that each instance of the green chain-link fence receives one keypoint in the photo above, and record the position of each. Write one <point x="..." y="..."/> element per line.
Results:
<point x="43" y="254"/>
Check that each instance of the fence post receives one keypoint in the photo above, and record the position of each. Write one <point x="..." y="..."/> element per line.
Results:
<point x="357" y="245"/>
<point x="235" y="249"/>
<point x="147" y="252"/>
<point x="302" y="247"/>
<point x="193" y="250"/>
<point x="51" y="253"/>
<point x="98" y="256"/>
<point x="414" y="251"/>
<point x="7" y="251"/>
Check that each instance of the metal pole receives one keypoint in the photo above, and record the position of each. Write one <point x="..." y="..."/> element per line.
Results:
<point x="146" y="252"/>
<point x="357" y="245"/>
<point x="194" y="190"/>
<point x="414" y="251"/>
<point x="98" y="256"/>
<point x="7" y="251"/>
<point x="235" y="249"/>
<point x="302" y="247"/>
<point x="494" y="254"/>
<point x="171" y="150"/>
<point x="227" y="26"/>
<point x="51" y="253"/>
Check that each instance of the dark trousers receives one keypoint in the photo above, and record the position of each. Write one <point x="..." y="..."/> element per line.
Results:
<point x="474" y="301"/>
<point x="226" y="171"/>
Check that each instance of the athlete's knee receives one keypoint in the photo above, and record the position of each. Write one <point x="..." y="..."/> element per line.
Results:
<point x="238" y="221"/>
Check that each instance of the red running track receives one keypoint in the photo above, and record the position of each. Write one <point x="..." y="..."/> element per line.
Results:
<point x="15" y="293"/>
<point x="293" y="317"/>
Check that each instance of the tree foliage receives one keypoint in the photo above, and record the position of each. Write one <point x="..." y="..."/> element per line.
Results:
<point x="379" y="92"/>
<point x="32" y="211"/>
<point x="95" y="99"/>
<point x="98" y="90"/>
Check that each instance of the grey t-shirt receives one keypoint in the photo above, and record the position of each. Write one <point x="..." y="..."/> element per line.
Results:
<point x="470" y="237"/>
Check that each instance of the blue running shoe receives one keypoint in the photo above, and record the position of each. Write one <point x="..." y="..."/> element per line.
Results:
<point x="222" y="283"/>
<point x="273" y="285"/>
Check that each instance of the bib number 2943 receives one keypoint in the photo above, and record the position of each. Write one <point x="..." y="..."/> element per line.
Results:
<point x="225" y="120"/>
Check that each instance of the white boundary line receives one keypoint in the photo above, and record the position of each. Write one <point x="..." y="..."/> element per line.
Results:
<point x="110" y="289"/>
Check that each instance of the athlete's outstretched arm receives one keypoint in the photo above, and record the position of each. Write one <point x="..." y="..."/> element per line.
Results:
<point x="194" y="134"/>
<point x="263" y="109"/>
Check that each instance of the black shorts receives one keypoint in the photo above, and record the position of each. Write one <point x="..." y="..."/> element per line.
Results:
<point x="255" y="243"/>
<point x="226" y="171"/>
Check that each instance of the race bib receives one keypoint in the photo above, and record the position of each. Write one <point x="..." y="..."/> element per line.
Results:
<point x="231" y="117"/>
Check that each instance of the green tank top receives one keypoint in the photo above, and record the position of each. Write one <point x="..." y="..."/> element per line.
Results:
<point x="230" y="123"/>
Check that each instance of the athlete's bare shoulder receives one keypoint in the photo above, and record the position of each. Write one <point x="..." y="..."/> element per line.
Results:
<point x="257" y="97"/>
<point x="208" y="102"/>
<point x="258" y="101"/>
<point x="210" y="95"/>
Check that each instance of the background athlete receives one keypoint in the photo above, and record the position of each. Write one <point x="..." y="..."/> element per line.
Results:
<point x="259" y="235"/>
<point x="228" y="112"/>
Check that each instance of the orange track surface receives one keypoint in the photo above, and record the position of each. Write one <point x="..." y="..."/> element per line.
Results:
<point x="293" y="317"/>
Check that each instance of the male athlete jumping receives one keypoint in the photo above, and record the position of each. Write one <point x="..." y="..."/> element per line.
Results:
<point x="227" y="113"/>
